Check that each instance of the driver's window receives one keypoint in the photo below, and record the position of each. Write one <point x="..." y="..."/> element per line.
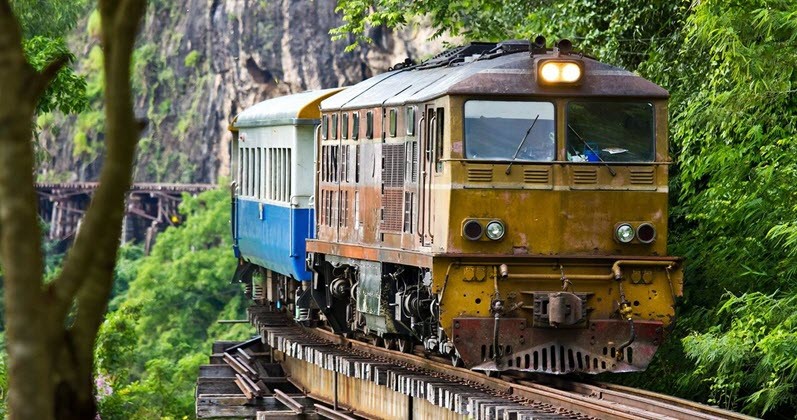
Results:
<point x="510" y="130"/>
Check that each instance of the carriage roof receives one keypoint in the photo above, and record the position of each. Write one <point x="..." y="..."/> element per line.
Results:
<point x="296" y="109"/>
<point x="467" y="71"/>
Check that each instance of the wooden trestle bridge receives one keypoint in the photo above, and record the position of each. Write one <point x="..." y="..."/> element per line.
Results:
<point x="151" y="207"/>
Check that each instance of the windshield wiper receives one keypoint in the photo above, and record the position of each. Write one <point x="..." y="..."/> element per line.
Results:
<point x="594" y="152"/>
<point x="509" y="168"/>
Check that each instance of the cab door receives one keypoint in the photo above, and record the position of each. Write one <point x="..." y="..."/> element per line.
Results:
<point x="428" y="147"/>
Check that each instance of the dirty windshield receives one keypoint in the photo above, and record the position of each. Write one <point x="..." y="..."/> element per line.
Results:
<point x="610" y="132"/>
<point x="495" y="129"/>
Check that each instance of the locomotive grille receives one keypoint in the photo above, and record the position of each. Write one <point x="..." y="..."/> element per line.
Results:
<point x="393" y="209"/>
<point x="480" y="174"/>
<point x="585" y="176"/>
<point x="393" y="169"/>
<point x="536" y="175"/>
<point x="642" y="176"/>
<point x="394" y="156"/>
<point x="560" y="359"/>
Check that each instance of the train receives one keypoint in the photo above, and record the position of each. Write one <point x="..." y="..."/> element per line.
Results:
<point x="503" y="204"/>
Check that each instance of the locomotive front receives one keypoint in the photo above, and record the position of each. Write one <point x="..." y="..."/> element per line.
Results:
<point x="503" y="204"/>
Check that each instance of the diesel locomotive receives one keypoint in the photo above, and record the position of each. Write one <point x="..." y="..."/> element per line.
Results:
<point x="501" y="204"/>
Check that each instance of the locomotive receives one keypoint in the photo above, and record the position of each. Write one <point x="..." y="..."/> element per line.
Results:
<point x="502" y="204"/>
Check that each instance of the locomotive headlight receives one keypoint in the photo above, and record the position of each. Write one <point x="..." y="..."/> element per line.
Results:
<point x="495" y="230"/>
<point x="571" y="72"/>
<point x="558" y="72"/>
<point x="550" y="72"/>
<point x="624" y="233"/>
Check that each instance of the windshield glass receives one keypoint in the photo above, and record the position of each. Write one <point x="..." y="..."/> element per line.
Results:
<point x="610" y="131"/>
<point x="495" y="129"/>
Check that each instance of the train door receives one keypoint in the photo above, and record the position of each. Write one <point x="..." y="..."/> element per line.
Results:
<point x="428" y="147"/>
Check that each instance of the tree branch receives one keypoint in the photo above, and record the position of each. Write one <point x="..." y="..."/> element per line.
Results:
<point x="98" y="240"/>
<point x="46" y="76"/>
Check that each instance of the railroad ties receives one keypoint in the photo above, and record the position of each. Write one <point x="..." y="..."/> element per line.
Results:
<point x="362" y="384"/>
<point x="243" y="381"/>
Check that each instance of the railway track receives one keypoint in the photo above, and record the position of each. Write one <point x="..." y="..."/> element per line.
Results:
<point x="348" y="378"/>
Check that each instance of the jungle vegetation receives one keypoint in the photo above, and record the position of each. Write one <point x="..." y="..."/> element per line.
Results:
<point x="730" y="68"/>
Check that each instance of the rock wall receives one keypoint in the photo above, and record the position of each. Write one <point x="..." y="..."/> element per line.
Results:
<point x="199" y="63"/>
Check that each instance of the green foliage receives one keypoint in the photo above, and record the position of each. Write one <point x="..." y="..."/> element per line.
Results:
<point x="44" y="24"/>
<point x="67" y="92"/>
<point x="51" y="19"/>
<point x="94" y="25"/>
<point x="191" y="58"/>
<point x="151" y="346"/>
<point x="91" y="123"/>
<point x="753" y="356"/>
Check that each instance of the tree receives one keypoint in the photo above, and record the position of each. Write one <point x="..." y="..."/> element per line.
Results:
<point x="51" y="327"/>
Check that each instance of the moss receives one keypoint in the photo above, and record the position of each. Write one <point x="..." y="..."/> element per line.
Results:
<point x="191" y="59"/>
<point x="94" y="25"/>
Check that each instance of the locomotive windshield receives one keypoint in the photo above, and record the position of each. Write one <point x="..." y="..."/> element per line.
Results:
<point x="499" y="130"/>
<point x="610" y="132"/>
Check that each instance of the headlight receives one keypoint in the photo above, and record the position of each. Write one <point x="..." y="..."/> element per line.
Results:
<point x="472" y="230"/>
<point x="571" y="72"/>
<point x="646" y="233"/>
<point x="553" y="72"/>
<point x="495" y="230"/>
<point x="550" y="72"/>
<point x="625" y="233"/>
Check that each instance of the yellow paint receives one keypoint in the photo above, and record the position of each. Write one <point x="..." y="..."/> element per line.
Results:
<point x="312" y="109"/>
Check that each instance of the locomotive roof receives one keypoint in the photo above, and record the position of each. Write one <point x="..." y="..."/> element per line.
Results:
<point x="296" y="109"/>
<point x="488" y="69"/>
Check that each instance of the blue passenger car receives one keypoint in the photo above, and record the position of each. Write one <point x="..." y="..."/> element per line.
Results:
<point x="273" y="166"/>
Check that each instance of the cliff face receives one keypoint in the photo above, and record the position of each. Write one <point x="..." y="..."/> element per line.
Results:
<point x="199" y="63"/>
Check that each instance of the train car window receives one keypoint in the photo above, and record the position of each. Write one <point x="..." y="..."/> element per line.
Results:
<point x="334" y="126"/>
<point x="408" y="196"/>
<point x="507" y="130"/>
<point x="355" y="125"/>
<point x="369" y="125"/>
<point x="245" y="172"/>
<point x="252" y="170"/>
<point x="344" y="126"/>
<point x="393" y="122"/>
<point x="357" y="209"/>
<point x="610" y="132"/>
<point x="410" y="120"/>
<point x="440" y="125"/>
<point x="357" y="164"/>
<point x="258" y="173"/>
<point x="324" y="127"/>
<point x="240" y="171"/>
<point x="286" y="174"/>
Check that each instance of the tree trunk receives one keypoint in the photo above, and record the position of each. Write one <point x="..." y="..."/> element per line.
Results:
<point x="51" y="363"/>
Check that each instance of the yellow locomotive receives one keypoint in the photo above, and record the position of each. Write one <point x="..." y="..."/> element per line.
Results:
<point x="504" y="204"/>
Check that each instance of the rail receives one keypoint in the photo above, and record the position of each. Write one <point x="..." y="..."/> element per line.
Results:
<point x="506" y="392"/>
